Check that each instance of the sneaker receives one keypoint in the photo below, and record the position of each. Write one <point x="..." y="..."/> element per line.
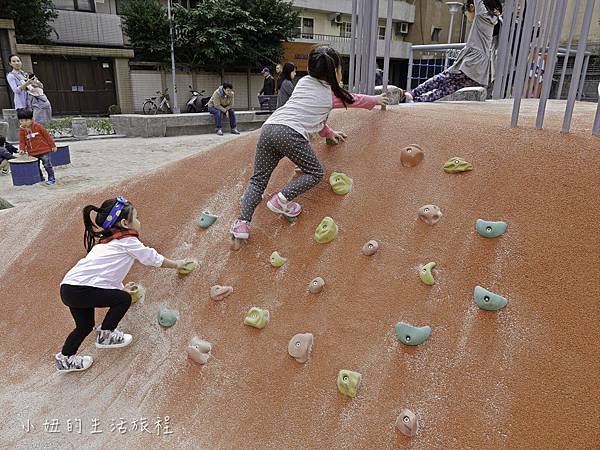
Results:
<point x="50" y="182"/>
<point x="112" y="339"/>
<point x="72" y="363"/>
<point x="240" y="229"/>
<point x="235" y="131"/>
<point x="278" y="205"/>
<point x="219" y="132"/>
<point x="5" y="171"/>
<point x="408" y="98"/>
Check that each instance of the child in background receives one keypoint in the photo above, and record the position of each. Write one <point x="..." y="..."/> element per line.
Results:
<point x="472" y="65"/>
<point x="7" y="152"/>
<point x="287" y="131"/>
<point x="96" y="281"/>
<point x="35" y="140"/>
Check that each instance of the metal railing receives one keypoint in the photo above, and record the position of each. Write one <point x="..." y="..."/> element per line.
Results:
<point x="433" y="59"/>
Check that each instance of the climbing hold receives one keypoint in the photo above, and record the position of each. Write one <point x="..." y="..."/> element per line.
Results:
<point x="340" y="183"/>
<point x="488" y="300"/>
<point x="456" y="165"/>
<point x="167" y="317"/>
<point x="277" y="260"/>
<point x="407" y="423"/>
<point x="410" y="335"/>
<point x="257" y="318"/>
<point x="489" y="229"/>
<point x="300" y="347"/>
<point x="326" y="231"/>
<point x="370" y="248"/>
<point x="330" y="141"/>
<point x="199" y="350"/>
<point x="430" y="214"/>
<point x="316" y="285"/>
<point x="426" y="275"/>
<point x="220" y="292"/>
<point x="206" y="219"/>
<point x="411" y="156"/>
<point x="290" y="219"/>
<point x="348" y="382"/>
<point x="137" y="291"/>
<point x="188" y="267"/>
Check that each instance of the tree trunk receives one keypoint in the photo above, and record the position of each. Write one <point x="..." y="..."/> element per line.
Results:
<point x="4" y="204"/>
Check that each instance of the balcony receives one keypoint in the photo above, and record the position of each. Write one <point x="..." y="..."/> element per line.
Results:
<point x="84" y="28"/>
<point x="398" y="50"/>
<point x="403" y="11"/>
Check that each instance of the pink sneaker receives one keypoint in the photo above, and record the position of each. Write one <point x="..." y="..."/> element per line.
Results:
<point x="240" y="229"/>
<point x="290" y="209"/>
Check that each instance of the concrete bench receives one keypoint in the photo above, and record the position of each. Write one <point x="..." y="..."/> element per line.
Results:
<point x="160" y="125"/>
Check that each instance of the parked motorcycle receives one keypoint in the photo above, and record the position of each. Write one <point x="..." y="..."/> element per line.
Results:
<point x="197" y="103"/>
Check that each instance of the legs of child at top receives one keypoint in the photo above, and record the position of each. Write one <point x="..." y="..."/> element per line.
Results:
<point x="45" y="159"/>
<point x="277" y="141"/>
<point x="441" y="85"/>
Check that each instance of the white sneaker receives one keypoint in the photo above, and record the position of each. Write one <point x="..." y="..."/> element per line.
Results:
<point x="72" y="363"/>
<point x="112" y="339"/>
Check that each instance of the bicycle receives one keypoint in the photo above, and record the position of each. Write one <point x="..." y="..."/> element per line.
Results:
<point x="150" y="106"/>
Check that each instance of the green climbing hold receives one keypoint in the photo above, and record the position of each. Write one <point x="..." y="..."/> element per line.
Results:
<point x="340" y="183"/>
<point x="489" y="229"/>
<point x="348" y="382"/>
<point x="188" y="267"/>
<point x="167" y="317"/>
<point x="277" y="260"/>
<point x="326" y="231"/>
<point x="488" y="300"/>
<point x="411" y="335"/>
<point x="290" y="219"/>
<point x="206" y="219"/>
<point x="257" y="317"/>
<point x="330" y="141"/>
<point x="426" y="275"/>
<point x="457" y="165"/>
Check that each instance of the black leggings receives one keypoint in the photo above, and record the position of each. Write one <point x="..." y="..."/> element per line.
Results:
<point x="82" y="300"/>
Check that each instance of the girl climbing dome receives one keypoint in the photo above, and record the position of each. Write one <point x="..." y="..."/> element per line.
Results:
<point x="472" y="65"/>
<point x="96" y="281"/>
<point x="287" y="132"/>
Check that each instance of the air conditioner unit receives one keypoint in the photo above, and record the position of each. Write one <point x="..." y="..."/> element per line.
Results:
<point x="336" y="18"/>
<point x="402" y="28"/>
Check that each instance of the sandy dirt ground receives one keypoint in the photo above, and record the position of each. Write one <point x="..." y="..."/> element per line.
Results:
<point x="521" y="377"/>
<point x="97" y="163"/>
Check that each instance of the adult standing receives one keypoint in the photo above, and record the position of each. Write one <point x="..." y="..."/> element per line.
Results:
<point x="278" y="79"/>
<point x="28" y="92"/>
<point x="287" y="83"/>
<point x="221" y="104"/>
<point x="268" y="84"/>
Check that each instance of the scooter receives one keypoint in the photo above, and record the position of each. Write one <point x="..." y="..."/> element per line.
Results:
<point x="197" y="103"/>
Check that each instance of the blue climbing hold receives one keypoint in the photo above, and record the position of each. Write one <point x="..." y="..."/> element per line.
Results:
<point x="489" y="229"/>
<point x="488" y="300"/>
<point x="411" y="335"/>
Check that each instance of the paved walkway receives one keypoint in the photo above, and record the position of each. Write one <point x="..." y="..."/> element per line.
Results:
<point x="101" y="162"/>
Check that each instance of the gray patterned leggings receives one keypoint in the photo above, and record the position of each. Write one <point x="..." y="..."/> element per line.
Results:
<point x="275" y="142"/>
<point x="441" y="85"/>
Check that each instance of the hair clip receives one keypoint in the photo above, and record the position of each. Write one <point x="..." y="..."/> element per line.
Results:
<point x="114" y="213"/>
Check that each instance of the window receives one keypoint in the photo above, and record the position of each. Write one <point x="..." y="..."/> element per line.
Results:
<point x="346" y="30"/>
<point x="188" y="3"/>
<point x="76" y="5"/>
<point x="381" y="33"/>
<point x="305" y="28"/>
<point x="435" y="34"/>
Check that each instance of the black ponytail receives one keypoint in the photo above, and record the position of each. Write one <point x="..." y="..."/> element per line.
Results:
<point x="93" y="229"/>
<point x="323" y="62"/>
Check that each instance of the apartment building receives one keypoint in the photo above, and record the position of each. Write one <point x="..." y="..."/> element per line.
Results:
<point x="329" y="22"/>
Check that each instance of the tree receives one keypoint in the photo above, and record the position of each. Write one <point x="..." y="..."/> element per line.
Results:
<point x="146" y="25"/>
<point x="32" y="19"/>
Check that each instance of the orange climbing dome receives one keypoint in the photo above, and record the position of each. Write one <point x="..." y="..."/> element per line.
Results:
<point x="483" y="380"/>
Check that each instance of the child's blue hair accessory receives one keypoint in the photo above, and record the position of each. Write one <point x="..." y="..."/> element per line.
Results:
<point x="114" y="213"/>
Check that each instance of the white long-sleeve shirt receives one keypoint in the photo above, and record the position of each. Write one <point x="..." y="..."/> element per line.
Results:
<point x="107" y="265"/>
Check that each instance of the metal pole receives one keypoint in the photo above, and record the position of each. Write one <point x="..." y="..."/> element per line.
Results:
<point x="449" y="38"/>
<point x="557" y="24"/>
<point x="586" y="61"/>
<point x="388" y="47"/>
<point x="568" y="51"/>
<point x="366" y="33"/>
<point x="502" y="51"/>
<point x="352" y="48"/>
<point x="515" y="52"/>
<point x="583" y="37"/>
<point x="522" y="62"/>
<point x="359" y="51"/>
<point x="410" y="69"/>
<point x="540" y="31"/>
<point x="510" y="51"/>
<point x="373" y="41"/>
<point x="596" y="127"/>
<point x="175" y="105"/>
